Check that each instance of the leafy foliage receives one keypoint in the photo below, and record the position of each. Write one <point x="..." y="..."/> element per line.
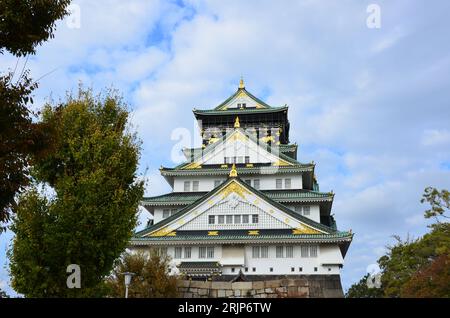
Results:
<point x="361" y="290"/>
<point x="419" y="267"/>
<point x="439" y="201"/>
<point x="151" y="277"/>
<point x="26" y="24"/>
<point x="23" y="26"/>
<point x="86" y="212"/>
<point x="21" y="140"/>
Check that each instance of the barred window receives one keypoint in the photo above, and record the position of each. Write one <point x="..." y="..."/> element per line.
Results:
<point x="289" y="251"/>
<point x="187" y="186"/>
<point x="210" y="251"/>
<point x="221" y="219"/>
<point x="187" y="252"/>
<point x="247" y="159"/>
<point x="304" y="251"/>
<point x="287" y="183"/>
<point x="255" y="251"/>
<point x="229" y="219"/>
<point x="298" y="209"/>
<point x="211" y="219"/>
<point x="255" y="218"/>
<point x="166" y="213"/>
<point x="245" y="219"/>
<point x="313" y="251"/>
<point x="306" y="210"/>
<point x="264" y="251"/>
<point x="237" y="219"/>
<point x="173" y="211"/>
<point x="195" y="185"/>
<point x="256" y="184"/>
<point x="202" y="252"/>
<point x="178" y="251"/>
<point x="279" y="183"/>
<point x="248" y="181"/>
<point x="280" y="251"/>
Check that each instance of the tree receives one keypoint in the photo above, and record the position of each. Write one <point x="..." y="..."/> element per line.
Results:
<point x="361" y="290"/>
<point x="23" y="26"/>
<point x="418" y="267"/>
<point x="151" y="279"/>
<point x="439" y="201"/>
<point x="86" y="209"/>
<point x="26" y="24"/>
<point x="432" y="280"/>
<point x="3" y="294"/>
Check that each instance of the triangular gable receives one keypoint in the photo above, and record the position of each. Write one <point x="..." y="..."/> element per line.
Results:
<point x="242" y="96"/>
<point x="237" y="139"/>
<point x="232" y="190"/>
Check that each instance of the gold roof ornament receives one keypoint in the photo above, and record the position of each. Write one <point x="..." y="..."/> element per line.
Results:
<point x="233" y="172"/>
<point x="241" y="83"/>
<point x="236" y="123"/>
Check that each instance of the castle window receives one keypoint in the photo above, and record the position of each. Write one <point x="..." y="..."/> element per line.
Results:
<point x="249" y="182"/>
<point x="237" y="219"/>
<point x="221" y="219"/>
<point x="287" y="183"/>
<point x="280" y="251"/>
<point x="210" y="251"/>
<point x="202" y="252"/>
<point x="247" y="159"/>
<point x="264" y="251"/>
<point x="195" y="185"/>
<point x="246" y="269"/>
<point x="211" y="219"/>
<point x="298" y="209"/>
<point x="254" y="269"/>
<point x="166" y="213"/>
<point x="255" y="218"/>
<point x="232" y="269"/>
<point x="229" y="219"/>
<point x="187" y="252"/>
<point x="313" y="251"/>
<point x="289" y="251"/>
<point x="278" y="183"/>
<point x="240" y="159"/>
<point x="255" y="251"/>
<point x="173" y="211"/>
<point x="292" y="269"/>
<point x="187" y="186"/>
<point x="178" y="251"/>
<point x="306" y="210"/>
<point x="300" y="269"/>
<point x="256" y="184"/>
<point x="245" y="219"/>
<point x="315" y="269"/>
<point x="271" y="269"/>
<point x="217" y="183"/>
<point x="304" y="251"/>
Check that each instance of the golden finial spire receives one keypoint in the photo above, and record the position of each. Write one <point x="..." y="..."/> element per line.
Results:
<point x="233" y="172"/>
<point x="241" y="83"/>
<point x="236" y="123"/>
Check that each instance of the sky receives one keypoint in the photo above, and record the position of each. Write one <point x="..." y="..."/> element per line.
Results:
<point x="371" y="106"/>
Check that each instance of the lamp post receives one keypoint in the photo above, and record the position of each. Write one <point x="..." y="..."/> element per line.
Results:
<point x="127" y="279"/>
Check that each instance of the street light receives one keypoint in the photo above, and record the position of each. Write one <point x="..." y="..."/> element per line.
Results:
<point x="127" y="278"/>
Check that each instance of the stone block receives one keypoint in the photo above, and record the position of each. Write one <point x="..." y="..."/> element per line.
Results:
<point x="237" y="292"/>
<point x="183" y="283"/>
<point x="228" y="293"/>
<point x="200" y="284"/>
<point x="203" y="291"/>
<point x="258" y="285"/>
<point x="221" y="285"/>
<point x="221" y="293"/>
<point x="241" y="285"/>
<point x="268" y="290"/>
<point x="272" y="283"/>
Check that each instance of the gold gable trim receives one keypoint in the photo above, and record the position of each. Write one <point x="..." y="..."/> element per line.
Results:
<point x="305" y="230"/>
<point x="255" y="232"/>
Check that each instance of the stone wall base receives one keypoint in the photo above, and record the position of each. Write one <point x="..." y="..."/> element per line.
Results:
<point x="298" y="286"/>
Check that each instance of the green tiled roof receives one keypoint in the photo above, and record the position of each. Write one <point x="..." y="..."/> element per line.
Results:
<point x="238" y="111"/>
<point x="241" y="170"/>
<point x="280" y="206"/>
<point x="239" y="90"/>
<point x="333" y="237"/>
<point x="282" y="196"/>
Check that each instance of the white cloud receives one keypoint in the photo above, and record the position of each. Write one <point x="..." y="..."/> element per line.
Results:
<point x="436" y="137"/>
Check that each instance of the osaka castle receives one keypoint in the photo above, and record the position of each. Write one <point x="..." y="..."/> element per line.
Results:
<point x="243" y="204"/>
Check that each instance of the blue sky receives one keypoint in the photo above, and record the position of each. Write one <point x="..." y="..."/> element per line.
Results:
<point x="370" y="106"/>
